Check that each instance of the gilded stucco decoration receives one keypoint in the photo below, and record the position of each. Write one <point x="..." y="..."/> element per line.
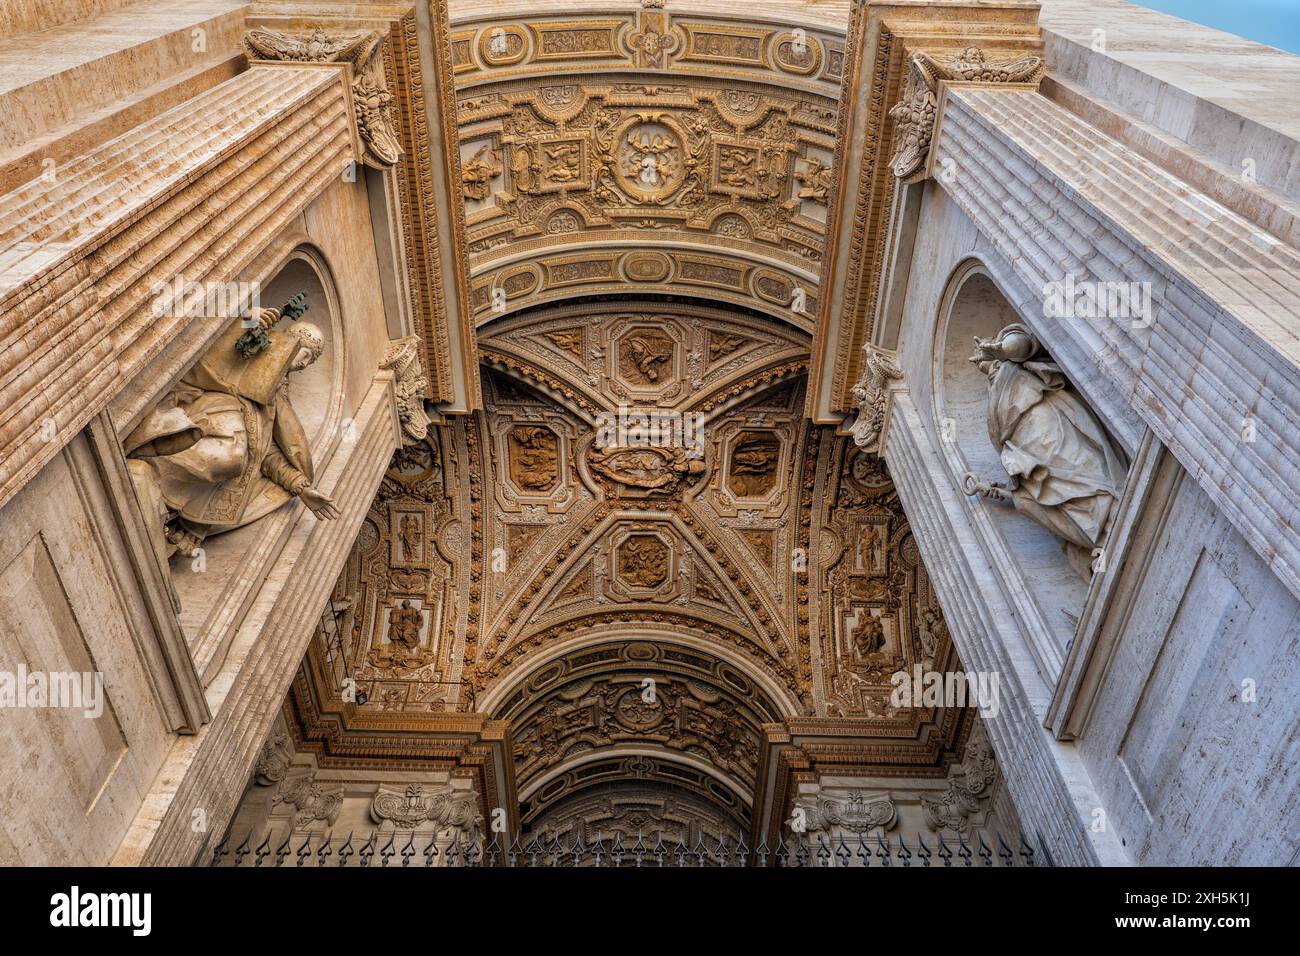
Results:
<point x="876" y="610"/>
<point x="652" y="131"/>
<point x="639" y="573"/>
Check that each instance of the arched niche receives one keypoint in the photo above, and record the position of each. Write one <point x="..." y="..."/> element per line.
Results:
<point x="215" y="590"/>
<point x="316" y="392"/>
<point x="1047" y="589"/>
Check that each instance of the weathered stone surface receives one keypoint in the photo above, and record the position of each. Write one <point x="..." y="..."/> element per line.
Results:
<point x="80" y="266"/>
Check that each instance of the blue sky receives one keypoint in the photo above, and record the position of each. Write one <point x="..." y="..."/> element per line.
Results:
<point x="1275" y="22"/>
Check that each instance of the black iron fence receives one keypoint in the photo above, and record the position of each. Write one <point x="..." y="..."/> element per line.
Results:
<point x="405" y="850"/>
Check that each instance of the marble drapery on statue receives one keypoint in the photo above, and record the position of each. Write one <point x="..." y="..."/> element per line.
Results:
<point x="1066" y="472"/>
<point x="225" y="446"/>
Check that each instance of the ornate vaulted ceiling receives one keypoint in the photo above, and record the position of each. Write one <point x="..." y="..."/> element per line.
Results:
<point x="594" y="623"/>
<point x="654" y="149"/>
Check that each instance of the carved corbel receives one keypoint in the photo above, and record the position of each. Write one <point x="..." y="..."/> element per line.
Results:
<point x="403" y="358"/>
<point x="880" y="368"/>
<point x="916" y="113"/>
<point x="370" y="96"/>
<point x="970" y="784"/>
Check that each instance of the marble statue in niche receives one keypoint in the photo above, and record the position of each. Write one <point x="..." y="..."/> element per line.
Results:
<point x="225" y="446"/>
<point x="1066" y="472"/>
<point x="929" y="632"/>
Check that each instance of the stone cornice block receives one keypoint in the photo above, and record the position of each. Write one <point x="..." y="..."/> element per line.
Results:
<point x="196" y="192"/>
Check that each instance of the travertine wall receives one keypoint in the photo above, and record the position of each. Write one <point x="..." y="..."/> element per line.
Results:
<point x="1193" y="730"/>
<point x="1168" y="732"/>
<point x="72" y="604"/>
<point x="139" y="151"/>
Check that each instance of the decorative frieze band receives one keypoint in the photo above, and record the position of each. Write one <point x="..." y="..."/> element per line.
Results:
<point x="1204" y="347"/>
<point x="197" y="192"/>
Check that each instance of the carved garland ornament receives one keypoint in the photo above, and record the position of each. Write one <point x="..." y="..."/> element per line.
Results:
<point x="273" y="762"/>
<point x="402" y="358"/>
<point x="969" y="785"/>
<point x="915" y="114"/>
<point x="373" y="102"/>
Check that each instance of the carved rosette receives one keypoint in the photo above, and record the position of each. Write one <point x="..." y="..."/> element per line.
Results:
<point x="880" y="367"/>
<point x="370" y="96"/>
<point x="916" y="112"/>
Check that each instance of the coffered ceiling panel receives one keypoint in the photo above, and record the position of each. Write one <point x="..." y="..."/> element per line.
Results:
<point x="654" y="149"/>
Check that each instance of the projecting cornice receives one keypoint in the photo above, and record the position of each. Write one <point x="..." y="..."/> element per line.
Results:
<point x="80" y="268"/>
<point x="402" y="97"/>
<point x="900" y="59"/>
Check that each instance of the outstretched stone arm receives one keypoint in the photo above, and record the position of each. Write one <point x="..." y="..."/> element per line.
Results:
<point x="995" y="491"/>
<point x="278" y="469"/>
